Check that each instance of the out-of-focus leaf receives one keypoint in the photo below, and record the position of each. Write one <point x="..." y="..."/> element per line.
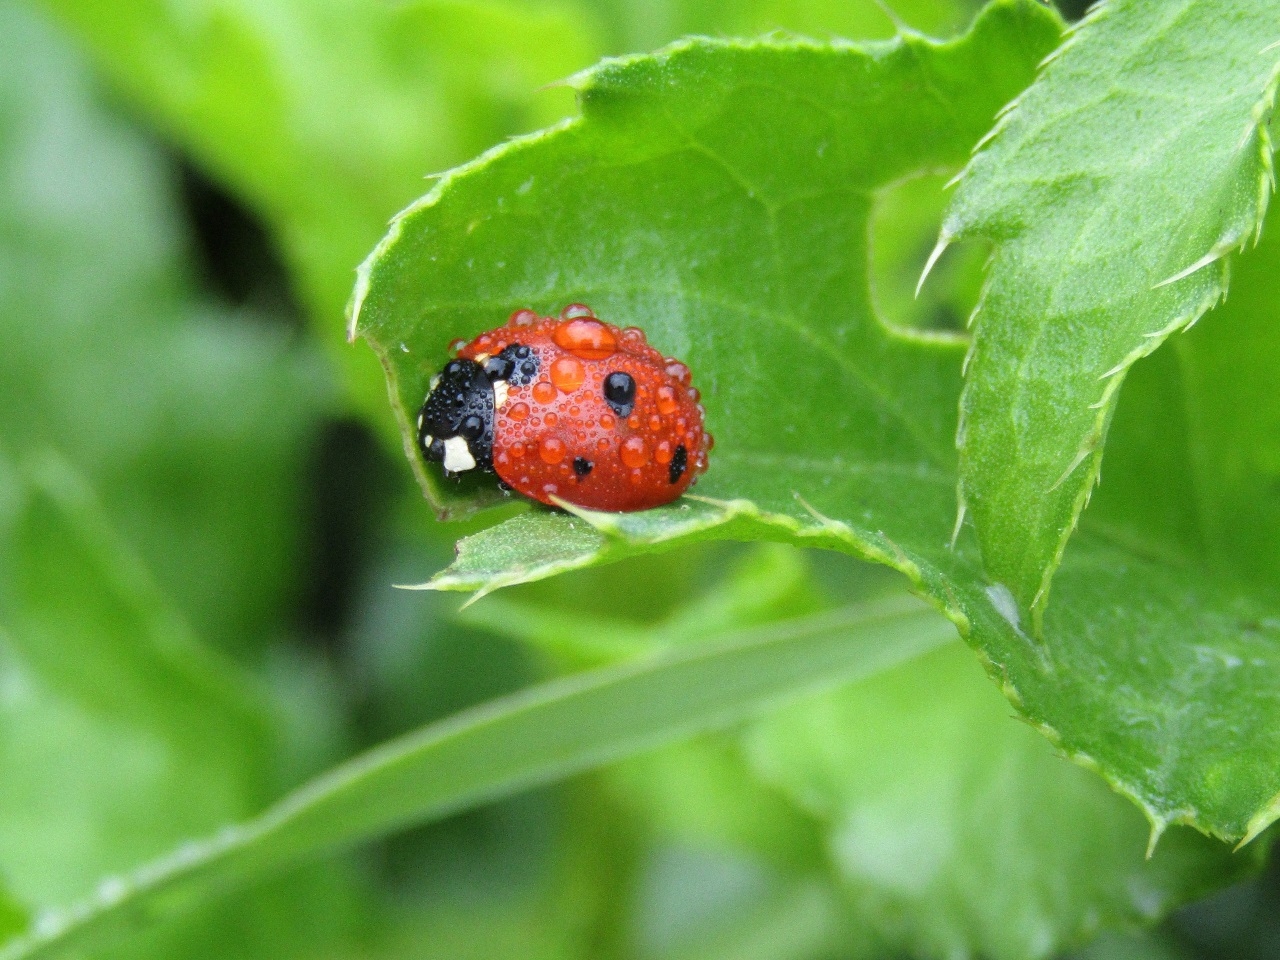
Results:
<point x="85" y="797"/>
<point x="957" y="830"/>
<point x="12" y="917"/>
<point x="710" y="905"/>
<point x="1132" y="945"/>
<point x="717" y="194"/>
<point x="120" y="735"/>
<point x="173" y="413"/>
<point x="534" y="737"/>
<point x="327" y="116"/>
<point x="1113" y="191"/>
<point x="83" y="613"/>
<point x="703" y="793"/>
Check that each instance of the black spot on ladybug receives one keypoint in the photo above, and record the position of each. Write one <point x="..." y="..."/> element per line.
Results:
<point x="582" y="466"/>
<point x="678" y="462"/>
<point x="620" y="392"/>
<point x="461" y="405"/>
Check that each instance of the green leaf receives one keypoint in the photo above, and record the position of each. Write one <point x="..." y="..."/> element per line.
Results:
<point x="325" y="117"/>
<point x="534" y="737"/>
<point x="718" y="194"/>
<point x="120" y="735"/>
<point x="84" y="614"/>
<point x="537" y="224"/>
<point x="961" y="834"/>
<point x="1113" y="191"/>
<point x="1201" y="421"/>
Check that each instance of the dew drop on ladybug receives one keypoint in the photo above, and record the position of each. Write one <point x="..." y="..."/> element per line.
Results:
<point x="568" y="407"/>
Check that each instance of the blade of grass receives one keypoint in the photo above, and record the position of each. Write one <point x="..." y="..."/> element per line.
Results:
<point x="534" y="737"/>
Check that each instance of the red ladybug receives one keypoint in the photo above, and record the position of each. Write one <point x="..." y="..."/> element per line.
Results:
<point x="568" y="407"/>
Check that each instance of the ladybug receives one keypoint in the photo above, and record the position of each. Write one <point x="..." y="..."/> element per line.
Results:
<point x="568" y="408"/>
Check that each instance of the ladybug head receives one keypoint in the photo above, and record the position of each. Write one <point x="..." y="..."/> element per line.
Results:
<point x="455" y="427"/>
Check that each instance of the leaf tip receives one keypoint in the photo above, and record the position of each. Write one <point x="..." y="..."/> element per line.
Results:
<point x="1158" y="825"/>
<point x="944" y="241"/>
<point x="1259" y="822"/>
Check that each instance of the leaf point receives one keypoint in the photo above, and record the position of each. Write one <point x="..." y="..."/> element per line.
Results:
<point x="944" y="240"/>
<point x="478" y="595"/>
<point x="1215" y="254"/>
<point x="1158" y="827"/>
<point x="1118" y="368"/>
<point x="1259" y="822"/>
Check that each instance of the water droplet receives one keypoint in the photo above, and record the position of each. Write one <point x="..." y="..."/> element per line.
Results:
<point x="586" y="338"/>
<point x="634" y="452"/>
<point x="523" y="318"/>
<point x="667" y="402"/>
<point x="568" y="374"/>
<point x="552" y="450"/>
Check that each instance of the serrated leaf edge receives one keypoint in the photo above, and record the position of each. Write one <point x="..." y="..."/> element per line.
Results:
<point x="1234" y="236"/>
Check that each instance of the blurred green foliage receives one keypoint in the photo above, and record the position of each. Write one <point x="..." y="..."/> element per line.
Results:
<point x="202" y="509"/>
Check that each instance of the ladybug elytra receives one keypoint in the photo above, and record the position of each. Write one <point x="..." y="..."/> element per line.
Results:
<point x="568" y="408"/>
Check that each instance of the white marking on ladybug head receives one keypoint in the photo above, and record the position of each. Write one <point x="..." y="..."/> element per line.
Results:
<point x="420" y="416"/>
<point x="500" y="388"/>
<point x="428" y="440"/>
<point x="435" y="382"/>
<point x="482" y="357"/>
<point x="457" y="455"/>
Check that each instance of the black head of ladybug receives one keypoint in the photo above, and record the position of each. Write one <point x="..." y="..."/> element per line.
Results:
<point x="455" y="427"/>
